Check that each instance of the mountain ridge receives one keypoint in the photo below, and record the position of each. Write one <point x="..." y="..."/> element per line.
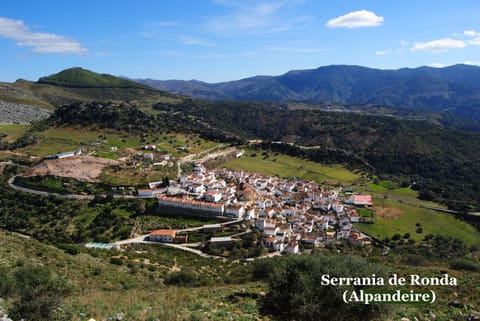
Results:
<point x="454" y="89"/>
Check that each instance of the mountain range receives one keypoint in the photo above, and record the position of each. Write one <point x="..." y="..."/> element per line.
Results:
<point x="453" y="90"/>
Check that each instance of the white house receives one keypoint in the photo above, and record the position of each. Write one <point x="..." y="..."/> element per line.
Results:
<point x="270" y="231"/>
<point x="292" y="247"/>
<point x="262" y="224"/>
<point x="237" y="211"/>
<point x="213" y="196"/>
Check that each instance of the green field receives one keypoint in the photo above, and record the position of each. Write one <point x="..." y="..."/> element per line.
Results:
<point x="63" y="139"/>
<point x="401" y="218"/>
<point x="405" y="194"/>
<point x="287" y="166"/>
<point x="13" y="131"/>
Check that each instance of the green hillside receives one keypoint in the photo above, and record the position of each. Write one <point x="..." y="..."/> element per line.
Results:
<point x="79" y="77"/>
<point x="79" y="85"/>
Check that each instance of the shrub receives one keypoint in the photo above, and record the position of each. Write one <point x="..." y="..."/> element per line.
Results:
<point x="180" y="278"/>
<point x="465" y="264"/>
<point x="414" y="259"/>
<point x="36" y="293"/>
<point x="296" y="291"/>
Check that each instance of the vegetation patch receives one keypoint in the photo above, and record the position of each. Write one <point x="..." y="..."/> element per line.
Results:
<point x="11" y="132"/>
<point x="270" y="163"/>
<point x="397" y="218"/>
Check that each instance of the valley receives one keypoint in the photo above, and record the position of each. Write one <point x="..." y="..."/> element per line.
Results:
<point x="330" y="187"/>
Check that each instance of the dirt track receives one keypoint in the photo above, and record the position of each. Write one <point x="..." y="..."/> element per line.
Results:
<point x="84" y="168"/>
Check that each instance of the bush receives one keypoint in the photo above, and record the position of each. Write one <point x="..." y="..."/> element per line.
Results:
<point x="116" y="260"/>
<point x="465" y="264"/>
<point x="296" y="291"/>
<point x="414" y="259"/>
<point x="180" y="278"/>
<point x="36" y="293"/>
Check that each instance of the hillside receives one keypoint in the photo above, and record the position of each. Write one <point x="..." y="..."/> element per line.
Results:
<point x="442" y="162"/>
<point x="454" y="90"/>
<point x="72" y="86"/>
<point x="79" y="77"/>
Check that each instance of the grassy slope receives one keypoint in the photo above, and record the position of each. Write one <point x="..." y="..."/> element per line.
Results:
<point x="431" y="222"/>
<point x="287" y="166"/>
<point x="63" y="139"/>
<point x="78" y="77"/>
<point x="13" y="131"/>
<point x="77" y="84"/>
<point x="101" y="289"/>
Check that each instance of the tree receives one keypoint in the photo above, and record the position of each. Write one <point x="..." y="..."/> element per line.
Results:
<point x="166" y="181"/>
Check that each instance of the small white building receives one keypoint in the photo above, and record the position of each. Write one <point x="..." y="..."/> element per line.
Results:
<point x="237" y="211"/>
<point x="292" y="247"/>
<point x="213" y="196"/>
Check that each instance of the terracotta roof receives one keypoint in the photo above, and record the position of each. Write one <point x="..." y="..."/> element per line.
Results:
<point x="171" y="233"/>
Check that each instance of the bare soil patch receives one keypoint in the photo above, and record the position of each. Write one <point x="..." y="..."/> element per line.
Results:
<point x="84" y="168"/>
<point x="388" y="212"/>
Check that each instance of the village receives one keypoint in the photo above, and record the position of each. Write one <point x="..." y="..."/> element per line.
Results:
<point x="290" y="213"/>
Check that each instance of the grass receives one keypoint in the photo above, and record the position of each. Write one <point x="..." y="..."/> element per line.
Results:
<point x="78" y="77"/>
<point x="13" y="131"/>
<point x="287" y="166"/>
<point x="404" y="193"/>
<point x="62" y="139"/>
<point x="403" y="219"/>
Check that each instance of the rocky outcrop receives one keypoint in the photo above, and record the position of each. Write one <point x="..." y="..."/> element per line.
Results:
<point x="11" y="113"/>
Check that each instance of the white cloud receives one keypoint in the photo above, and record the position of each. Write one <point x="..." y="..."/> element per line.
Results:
<point x="473" y="63"/>
<point x="471" y="33"/>
<point x="404" y="42"/>
<point x="39" y="41"/>
<point x="356" y="19"/>
<point x="439" y="45"/>
<point x="193" y="41"/>
<point x="437" y="65"/>
<point x="382" y="52"/>
<point x="255" y="18"/>
<point x="474" y="42"/>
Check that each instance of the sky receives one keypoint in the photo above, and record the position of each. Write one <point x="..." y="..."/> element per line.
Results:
<point x="222" y="40"/>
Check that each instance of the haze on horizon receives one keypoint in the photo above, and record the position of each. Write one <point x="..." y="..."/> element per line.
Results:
<point x="222" y="40"/>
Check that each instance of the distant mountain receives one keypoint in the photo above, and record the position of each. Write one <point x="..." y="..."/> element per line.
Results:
<point x="453" y="90"/>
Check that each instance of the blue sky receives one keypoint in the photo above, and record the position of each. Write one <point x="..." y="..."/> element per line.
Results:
<point x="221" y="40"/>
